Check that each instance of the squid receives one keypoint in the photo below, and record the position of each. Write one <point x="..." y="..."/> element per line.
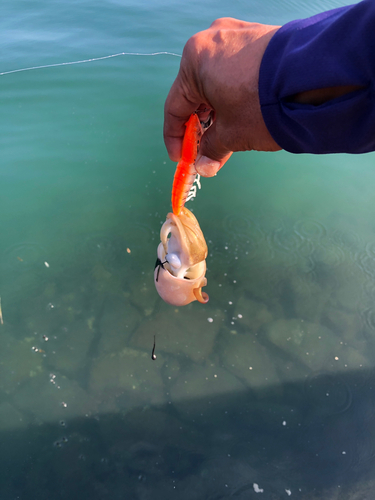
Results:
<point x="180" y="268"/>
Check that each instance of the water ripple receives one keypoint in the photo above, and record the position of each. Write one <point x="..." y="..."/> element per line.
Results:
<point x="367" y="316"/>
<point x="243" y="237"/>
<point x="348" y="239"/>
<point x="236" y="224"/>
<point x="310" y="229"/>
<point x="328" y="393"/>
<point x="329" y="253"/>
<point x="285" y="240"/>
<point x="108" y="249"/>
<point x="365" y="263"/>
<point x="242" y="229"/>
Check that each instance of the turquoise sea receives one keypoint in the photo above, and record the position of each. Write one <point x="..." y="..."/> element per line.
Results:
<point x="267" y="391"/>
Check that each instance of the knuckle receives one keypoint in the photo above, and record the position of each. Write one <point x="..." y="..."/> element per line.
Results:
<point x="192" y="46"/>
<point x="226" y="23"/>
<point x="220" y="22"/>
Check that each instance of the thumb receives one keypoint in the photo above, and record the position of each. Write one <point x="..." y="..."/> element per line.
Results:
<point x="212" y="154"/>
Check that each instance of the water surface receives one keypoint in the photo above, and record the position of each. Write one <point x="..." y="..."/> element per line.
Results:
<point x="266" y="391"/>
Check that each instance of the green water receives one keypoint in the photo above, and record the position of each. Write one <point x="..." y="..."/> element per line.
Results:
<point x="269" y="386"/>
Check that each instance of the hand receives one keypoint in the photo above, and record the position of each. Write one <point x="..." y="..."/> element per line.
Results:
<point x="219" y="74"/>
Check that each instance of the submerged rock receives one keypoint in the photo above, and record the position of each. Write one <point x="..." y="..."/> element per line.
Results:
<point x="248" y="360"/>
<point x="127" y="379"/>
<point x="20" y="360"/>
<point x="117" y="322"/>
<point x="105" y="281"/>
<point x="309" y="344"/>
<point x="307" y="298"/>
<point x="53" y="398"/>
<point x="43" y="314"/>
<point x="251" y="314"/>
<point x="188" y="331"/>
<point x="347" y="324"/>
<point x="67" y="350"/>
<point x="197" y="388"/>
<point x="352" y="286"/>
<point x="143" y="294"/>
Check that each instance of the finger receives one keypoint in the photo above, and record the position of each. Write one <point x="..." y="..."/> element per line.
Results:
<point x="206" y="167"/>
<point x="178" y="107"/>
<point x="213" y="146"/>
<point x="212" y="154"/>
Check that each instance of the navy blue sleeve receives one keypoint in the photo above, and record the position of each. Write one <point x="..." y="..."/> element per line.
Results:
<point x="331" y="49"/>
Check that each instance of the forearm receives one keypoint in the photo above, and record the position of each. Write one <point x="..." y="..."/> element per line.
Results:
<point x="316" y="82"/>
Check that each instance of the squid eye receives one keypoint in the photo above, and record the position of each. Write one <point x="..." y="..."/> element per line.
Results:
<point x="173" y="260"/>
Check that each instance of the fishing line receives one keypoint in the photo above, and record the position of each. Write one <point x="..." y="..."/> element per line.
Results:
<point x="90" y="60"/>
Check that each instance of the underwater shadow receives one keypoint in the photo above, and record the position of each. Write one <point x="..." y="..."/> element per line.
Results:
<point x="311" y="439"/>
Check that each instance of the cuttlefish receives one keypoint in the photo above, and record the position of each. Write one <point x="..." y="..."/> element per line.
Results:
<point x="181" y="264"/>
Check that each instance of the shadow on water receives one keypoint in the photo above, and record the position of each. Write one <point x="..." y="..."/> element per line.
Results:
<point x="283" y="440"/>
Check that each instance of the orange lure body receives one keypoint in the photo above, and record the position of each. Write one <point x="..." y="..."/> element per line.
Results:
<point x="185" y="171"/>
<point x="180" y="268"/>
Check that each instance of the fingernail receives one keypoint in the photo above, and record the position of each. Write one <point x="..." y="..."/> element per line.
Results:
<point x="207" y="167"/>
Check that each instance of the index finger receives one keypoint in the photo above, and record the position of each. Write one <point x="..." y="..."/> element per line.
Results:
<point x="177" y="110"/>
